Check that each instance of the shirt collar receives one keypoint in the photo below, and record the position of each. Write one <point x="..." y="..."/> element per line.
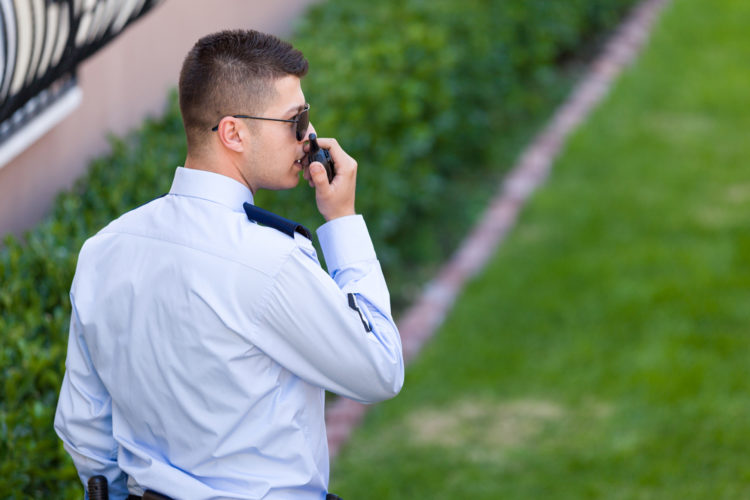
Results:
<point x="212" y="187"/>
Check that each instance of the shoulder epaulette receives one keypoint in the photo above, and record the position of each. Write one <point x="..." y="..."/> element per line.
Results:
<point x="278" y="222"/>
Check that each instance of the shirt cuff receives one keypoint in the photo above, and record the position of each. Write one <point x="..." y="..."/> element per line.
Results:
<point x="344" y="241"/>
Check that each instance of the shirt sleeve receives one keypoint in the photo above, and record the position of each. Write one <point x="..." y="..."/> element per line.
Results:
<point x="84" y="416"/>
<point x="317" y="333"/>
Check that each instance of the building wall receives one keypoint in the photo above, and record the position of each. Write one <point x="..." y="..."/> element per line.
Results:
<point x="122" y="84"/>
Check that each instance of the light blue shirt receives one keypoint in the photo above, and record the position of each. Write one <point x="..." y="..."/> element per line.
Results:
<point x="201" y="344"/>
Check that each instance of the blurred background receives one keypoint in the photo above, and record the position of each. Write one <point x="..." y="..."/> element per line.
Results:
<point x="602" y="353"/>
<point x="74" y="72"/>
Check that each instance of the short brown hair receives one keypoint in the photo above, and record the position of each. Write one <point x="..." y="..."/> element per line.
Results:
<point x="232" y="72"/>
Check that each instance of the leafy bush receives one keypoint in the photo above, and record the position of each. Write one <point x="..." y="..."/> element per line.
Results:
<point x="419" y="91"/>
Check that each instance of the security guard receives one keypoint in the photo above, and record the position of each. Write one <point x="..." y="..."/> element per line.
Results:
<point x="203" y="331"/>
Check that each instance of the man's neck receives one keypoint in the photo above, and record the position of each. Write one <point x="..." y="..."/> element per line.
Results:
<point x="227" y="169"/>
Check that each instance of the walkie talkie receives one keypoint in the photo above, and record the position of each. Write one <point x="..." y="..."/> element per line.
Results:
<point x="321" y="155"/>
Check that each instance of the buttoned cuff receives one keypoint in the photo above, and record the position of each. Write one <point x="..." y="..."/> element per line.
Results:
<point x="344" y="241"/>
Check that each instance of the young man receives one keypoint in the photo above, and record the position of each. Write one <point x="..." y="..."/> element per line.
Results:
<point x="201" y="342"/>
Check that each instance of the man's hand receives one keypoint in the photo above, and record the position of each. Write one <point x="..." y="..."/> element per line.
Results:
<point x="336" y="199"/>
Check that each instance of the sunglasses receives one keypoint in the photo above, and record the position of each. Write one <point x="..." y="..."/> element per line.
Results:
<point x="302" y="119"/>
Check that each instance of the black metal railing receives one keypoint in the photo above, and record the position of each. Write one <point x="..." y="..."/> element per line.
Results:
<point x="43" y="41"/>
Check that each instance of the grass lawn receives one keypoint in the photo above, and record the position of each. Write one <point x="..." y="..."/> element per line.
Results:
<point x="605" y="351"/>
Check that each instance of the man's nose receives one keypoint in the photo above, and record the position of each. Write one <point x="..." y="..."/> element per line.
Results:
<point x="310" y="130"/>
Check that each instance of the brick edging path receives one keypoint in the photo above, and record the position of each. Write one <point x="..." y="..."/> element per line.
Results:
<point x="422" y="319"/>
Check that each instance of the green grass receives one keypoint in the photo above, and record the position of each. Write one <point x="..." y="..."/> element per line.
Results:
<point x="605" y="350"/>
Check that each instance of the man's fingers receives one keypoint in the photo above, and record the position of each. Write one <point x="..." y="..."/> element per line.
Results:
<point x="327" y="142"/>
<point x="318" y="175"/>
<point x="340" y="157"/>
<point x="336" y="199"/>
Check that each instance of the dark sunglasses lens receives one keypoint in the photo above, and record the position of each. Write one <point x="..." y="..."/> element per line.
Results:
<point x="303" y="121"/>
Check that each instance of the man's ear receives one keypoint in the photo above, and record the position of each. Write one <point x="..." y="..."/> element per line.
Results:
<point x="232" y="134"/>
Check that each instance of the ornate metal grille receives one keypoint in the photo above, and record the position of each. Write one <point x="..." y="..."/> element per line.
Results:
<point x="41" y="44"/>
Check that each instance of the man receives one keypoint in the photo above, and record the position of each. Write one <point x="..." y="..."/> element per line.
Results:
<point x="201" y="342"/>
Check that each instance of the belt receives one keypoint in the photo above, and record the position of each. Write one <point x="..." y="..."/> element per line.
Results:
<point x="152" y="495"/>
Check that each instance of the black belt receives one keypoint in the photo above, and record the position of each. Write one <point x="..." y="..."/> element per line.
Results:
<point x="98" y="490"/>
<point x="152" y="495"/>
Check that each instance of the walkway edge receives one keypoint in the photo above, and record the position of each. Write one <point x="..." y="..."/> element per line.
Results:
<point x="422" y="320"/>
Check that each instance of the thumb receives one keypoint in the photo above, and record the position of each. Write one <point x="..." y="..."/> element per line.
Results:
<point x="318" y="174"/>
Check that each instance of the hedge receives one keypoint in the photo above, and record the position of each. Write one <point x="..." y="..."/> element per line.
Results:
<point x="419" y="91"/>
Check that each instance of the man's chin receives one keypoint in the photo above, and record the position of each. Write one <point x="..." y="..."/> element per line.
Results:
<point x="282" y="186"/>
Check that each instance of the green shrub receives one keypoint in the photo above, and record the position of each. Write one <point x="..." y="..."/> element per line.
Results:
<point x="419" y="91"/>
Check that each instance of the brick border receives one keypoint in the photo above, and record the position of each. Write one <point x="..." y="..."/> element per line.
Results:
<point x="420" y="321"/>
